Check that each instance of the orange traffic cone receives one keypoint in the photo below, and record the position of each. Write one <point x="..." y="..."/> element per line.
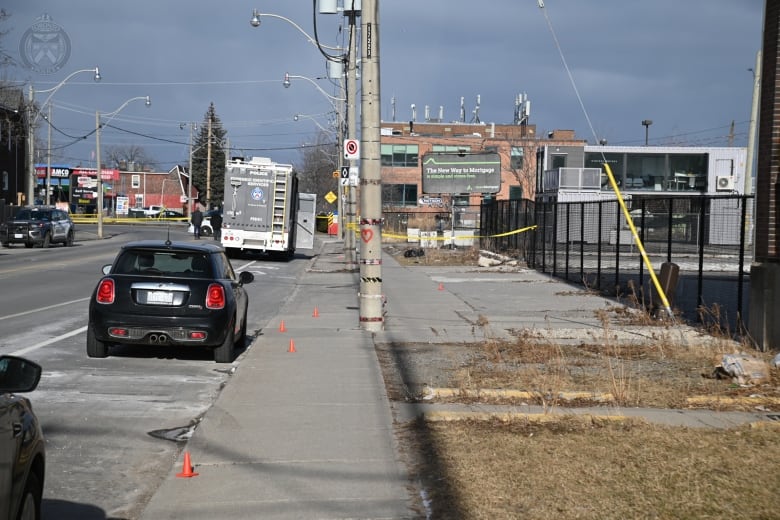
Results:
<point x="282" y="328"/>
<point x="316" y="313"/>
<point x="292" y="347"/>
<point x="186" y="470"/>
<point x="441" y="286"/>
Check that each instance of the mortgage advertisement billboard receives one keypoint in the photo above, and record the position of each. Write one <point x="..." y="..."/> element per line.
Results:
<point x="461" y="173"/>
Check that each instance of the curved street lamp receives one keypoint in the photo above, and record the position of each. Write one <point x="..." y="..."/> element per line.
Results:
<point x="297" y="117"/>
<point x="255" y="22"/>
<point x="287" y="83"/>
<point x="32" y="118"/>
<point x="110" y="115"/>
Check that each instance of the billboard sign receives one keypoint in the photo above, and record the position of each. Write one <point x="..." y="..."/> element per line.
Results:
<point x="461" y="173"/>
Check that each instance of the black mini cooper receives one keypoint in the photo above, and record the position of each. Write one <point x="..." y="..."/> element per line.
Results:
<point x="169" y="293"/>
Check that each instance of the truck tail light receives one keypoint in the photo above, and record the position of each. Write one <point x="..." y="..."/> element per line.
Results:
<point x="215" y="297"/>
<point x="105" y="291"/>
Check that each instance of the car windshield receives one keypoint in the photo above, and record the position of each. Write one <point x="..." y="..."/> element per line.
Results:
<point x="27" y="214"/>
<point x="164" y="263"/>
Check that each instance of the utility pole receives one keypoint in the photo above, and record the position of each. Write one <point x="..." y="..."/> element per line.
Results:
<point x="350" y="250"/>
<point x="48" y="161"/>
<point x="371" y="298"/>
<point x="751" y="146"/>
<point x="31" y="175"/>
<point x="208" y="164"/>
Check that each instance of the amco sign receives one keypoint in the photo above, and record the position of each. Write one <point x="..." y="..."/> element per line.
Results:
<point x="456" y="173"/>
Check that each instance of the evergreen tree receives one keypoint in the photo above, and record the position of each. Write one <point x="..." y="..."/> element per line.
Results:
<point x="209" y="180"/>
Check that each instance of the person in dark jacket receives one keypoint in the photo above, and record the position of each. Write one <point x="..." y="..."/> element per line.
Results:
<point x="216" y="224"/>
<point x="197" y="221"/>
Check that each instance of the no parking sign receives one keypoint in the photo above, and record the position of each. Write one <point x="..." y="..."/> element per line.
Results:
<point x="351" y="149"/>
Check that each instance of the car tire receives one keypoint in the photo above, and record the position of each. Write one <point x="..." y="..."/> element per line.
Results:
<point x="70" y="239"/>
<point x="46" y="240"/>
<point x="95" y="347"/>
<point x="30" y="506"/>
<point x="225" y="352"/>
<point x="205" y="231"/>
<point x="241" y="339"/>
<point x="28" y="245"/>
<point x="6" y="244"/>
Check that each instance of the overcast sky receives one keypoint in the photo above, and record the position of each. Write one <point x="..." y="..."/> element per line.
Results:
<point x="682" y="64"/>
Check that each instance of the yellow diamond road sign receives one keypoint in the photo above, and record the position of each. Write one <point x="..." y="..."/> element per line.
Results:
<point x="330" y="197"/>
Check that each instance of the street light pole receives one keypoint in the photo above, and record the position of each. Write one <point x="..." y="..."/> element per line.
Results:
<point x="99" y="173"/>
<point x="32" y="117"/>
<point x="646" y="123"/>
<point x="371" y="299"/>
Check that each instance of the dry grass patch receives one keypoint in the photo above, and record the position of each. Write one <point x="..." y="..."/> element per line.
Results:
<point x="586" y="469"/>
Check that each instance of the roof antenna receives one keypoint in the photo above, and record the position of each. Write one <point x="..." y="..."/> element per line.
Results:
<point x="168" y="240"/>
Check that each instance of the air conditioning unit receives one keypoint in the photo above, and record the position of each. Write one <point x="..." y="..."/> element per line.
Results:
<point x="724" y="183"/>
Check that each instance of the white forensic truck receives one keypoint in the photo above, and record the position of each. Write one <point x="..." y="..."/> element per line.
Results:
<point x="263" y="211"/>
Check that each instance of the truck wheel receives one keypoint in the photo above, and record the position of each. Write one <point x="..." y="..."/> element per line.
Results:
<point x="225" y="352"/>
<point x="28" y="245"/>
<point x="6" y="244"/>
<point x="46" y="240"/>
<point x="95" y="347"/>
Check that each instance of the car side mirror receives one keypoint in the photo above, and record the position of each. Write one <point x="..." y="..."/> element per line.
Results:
<point x="18" y="374"/>
<point x="106" y="269"/>
<point x="246" y="277"/>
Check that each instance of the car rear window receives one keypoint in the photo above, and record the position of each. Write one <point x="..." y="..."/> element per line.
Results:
<point x="164" y="263"/>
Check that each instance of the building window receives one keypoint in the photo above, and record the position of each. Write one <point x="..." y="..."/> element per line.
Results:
<point x="515" y="193"/>
<point x="403" y="155"/>
<point x="446" y="148"/>
<point x="399" y="194"/>
<point x="516" y="158"/>
<point x="135" y="181"/>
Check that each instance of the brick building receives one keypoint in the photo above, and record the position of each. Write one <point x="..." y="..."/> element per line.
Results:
<point x="403" y="144"/>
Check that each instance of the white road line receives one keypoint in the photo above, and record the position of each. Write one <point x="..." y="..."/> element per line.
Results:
<point x="42" y="309"/>
<point x="49" y="341"/>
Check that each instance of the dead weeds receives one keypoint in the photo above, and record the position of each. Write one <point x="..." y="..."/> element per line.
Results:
<point x="586" y="469"/>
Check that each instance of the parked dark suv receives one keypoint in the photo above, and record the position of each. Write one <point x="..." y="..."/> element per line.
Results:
<point x="38" y="226"/>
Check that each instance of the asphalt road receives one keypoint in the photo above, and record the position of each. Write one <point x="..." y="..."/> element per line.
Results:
<point x="111" y="424"/>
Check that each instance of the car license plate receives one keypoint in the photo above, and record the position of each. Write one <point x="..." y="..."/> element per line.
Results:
<point x="18" y="235"/>
<point x="160" y="297"/>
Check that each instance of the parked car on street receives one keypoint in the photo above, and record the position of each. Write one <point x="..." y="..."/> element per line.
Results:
<point x="38" y="226"/>
<point x="206" y="229"/>
<point x="167" y="214"/>
<point x="169" y="293"/>
<point x="22" y="451"/>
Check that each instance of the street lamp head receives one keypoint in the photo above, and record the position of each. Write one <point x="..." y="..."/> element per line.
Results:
<point x="295" y="117"/>
<point x="647" y="122"/>
<point x="286" y="81"/>
<point x="97" y="75"/>
<point x="255" y="20"/>
<point x="148" y="101"/>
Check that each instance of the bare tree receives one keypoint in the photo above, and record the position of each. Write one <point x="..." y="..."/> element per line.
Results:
<point x="318" y="162"/>
<point x="5" y="58"/>
<point x="129" y="157"/>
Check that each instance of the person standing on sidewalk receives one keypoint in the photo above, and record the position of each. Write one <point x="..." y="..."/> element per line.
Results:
<point x="216" y="223"/>
<point x="197" y="220"/>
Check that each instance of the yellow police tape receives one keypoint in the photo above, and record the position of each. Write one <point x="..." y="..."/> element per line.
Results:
<point x="458" y="237"/>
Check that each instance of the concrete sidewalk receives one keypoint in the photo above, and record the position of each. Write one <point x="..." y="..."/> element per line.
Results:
<point x="309" y="433"/>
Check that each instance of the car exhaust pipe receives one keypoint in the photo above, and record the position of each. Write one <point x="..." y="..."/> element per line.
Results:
<point x="153" y="338"/>
<point x="158" y="338"/>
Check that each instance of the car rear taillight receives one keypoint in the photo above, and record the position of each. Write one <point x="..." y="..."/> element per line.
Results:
<point x="215" y="297"/>
<point x="105" y="291"/>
